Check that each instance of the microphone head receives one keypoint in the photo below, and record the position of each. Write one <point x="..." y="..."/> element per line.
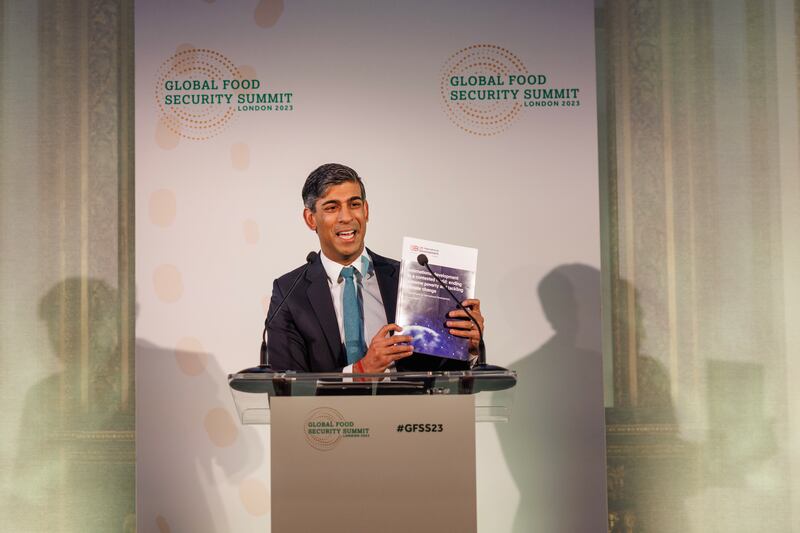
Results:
<point x="311" y="256"/>
<point x="422" y="259"/>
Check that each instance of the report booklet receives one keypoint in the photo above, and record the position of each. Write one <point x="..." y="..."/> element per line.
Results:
<point x="423" y="304"/>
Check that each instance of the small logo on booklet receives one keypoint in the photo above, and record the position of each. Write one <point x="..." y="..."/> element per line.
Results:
<point x="326" y="427"/>
<point x="433" y="252"/>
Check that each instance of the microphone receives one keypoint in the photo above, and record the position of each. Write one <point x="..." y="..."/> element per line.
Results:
<point x="263" y="365"/>
<point x="422" y="259"/>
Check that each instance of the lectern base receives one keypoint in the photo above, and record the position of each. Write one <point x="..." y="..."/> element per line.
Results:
<point x="373" y="463"/>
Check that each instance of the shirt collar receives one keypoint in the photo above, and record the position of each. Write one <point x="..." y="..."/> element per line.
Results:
<point x="334" y="269"/>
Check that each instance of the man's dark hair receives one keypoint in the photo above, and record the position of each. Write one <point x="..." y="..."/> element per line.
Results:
<point x="326" y="176"/>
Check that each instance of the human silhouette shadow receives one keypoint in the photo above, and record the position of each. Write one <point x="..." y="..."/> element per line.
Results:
<point x="554" y="444"/>
<point x="74" y="469"/>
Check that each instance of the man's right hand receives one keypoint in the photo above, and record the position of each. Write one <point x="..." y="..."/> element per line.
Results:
<point x="384" y="350"/>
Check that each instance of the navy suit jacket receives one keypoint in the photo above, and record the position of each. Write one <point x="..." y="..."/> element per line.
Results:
<point x="304" y="335"/>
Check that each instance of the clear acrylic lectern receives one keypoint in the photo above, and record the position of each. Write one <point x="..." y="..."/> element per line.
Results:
<point x="392" y="452"/>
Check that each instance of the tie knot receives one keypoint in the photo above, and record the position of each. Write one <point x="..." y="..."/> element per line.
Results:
<point x="348" y="272"/>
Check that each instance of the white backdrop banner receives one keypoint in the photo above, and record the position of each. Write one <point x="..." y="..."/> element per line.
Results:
<point x="472" y="123"/>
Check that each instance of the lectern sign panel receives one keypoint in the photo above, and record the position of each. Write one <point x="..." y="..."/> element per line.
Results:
<point x="394" y="463"/>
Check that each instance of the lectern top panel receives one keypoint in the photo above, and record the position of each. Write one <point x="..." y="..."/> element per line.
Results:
<point x="394" y="383"/>
<point x="493" y="389"/>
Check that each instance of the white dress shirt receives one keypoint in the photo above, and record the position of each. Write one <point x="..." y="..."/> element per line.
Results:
<point x="370" y="295"/>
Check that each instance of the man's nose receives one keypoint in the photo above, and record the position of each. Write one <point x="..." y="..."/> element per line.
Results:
<point x="345" y="214"/>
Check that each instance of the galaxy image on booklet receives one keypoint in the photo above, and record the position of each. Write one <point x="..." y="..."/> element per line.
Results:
<point x="424" y="307"/>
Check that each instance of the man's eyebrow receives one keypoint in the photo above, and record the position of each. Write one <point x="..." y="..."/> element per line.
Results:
<point x="335" y="201"/>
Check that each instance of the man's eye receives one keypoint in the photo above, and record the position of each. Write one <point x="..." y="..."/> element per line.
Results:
<point x="355" y="205"/>
<point x="330" y="208"/>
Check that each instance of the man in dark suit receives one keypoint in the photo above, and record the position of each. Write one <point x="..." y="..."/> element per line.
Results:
<point x="308" y="334"/>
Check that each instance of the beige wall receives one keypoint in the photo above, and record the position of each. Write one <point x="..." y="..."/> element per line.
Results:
<point x="369" y="94"/>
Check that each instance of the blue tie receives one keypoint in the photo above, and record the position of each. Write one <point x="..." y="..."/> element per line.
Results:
<point x="353" y="321"/>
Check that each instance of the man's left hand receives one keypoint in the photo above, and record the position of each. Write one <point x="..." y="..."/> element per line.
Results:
<point x="461" y="326"/>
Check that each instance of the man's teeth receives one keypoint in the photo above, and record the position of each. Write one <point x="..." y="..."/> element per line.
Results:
<point x="346" y="234"/>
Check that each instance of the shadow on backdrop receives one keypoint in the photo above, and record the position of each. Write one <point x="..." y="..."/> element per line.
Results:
<point x="75" y="469"/>
<point x="189" y="442"/>
<point x="554" y="443"/>
<point x="75" y="466"/>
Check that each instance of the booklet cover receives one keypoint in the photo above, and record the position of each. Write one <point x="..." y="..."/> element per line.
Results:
<point x="423" y="304"/>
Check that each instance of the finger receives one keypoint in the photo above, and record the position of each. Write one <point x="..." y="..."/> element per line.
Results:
<point x="391" y="341"/>
<point x="384" y="331"/>
<point x="478" y="318"/>
<point x="466" y="333"/>
<point x="398" y="339"/>
<point x="402" y="355"/>
<point x="460" y="324"/>
<point x="396" y="349"/>
<point x="458" y="313"/>
<point x="472" y="304"/>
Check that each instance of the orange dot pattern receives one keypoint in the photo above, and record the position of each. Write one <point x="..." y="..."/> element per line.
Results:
<point x="488" y="117"/>
<point x="196" y="122"/>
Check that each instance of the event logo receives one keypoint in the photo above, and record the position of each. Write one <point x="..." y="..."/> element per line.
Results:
<point x="485" y="87"/>
<point x="199" y="92"/>
<point x="326" y="427"/>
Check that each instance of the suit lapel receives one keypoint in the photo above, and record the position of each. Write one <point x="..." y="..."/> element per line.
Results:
<point x="388" y="278"/>
<point x="319" y="294"/>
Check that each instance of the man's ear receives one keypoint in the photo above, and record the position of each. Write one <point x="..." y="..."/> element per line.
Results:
<point x="309" y="219"/>
<point x="366" y="211"/>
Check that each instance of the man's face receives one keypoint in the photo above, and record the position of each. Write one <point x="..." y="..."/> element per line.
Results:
<point x="340" y="220"/>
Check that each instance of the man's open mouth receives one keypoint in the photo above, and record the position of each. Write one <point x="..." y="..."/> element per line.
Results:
<point x="348" y="235"/>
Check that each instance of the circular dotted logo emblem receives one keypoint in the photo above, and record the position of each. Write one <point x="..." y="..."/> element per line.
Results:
<point x="474" y="73"/>
<point x="320" y="428"/>
<point x="188" y="96"/>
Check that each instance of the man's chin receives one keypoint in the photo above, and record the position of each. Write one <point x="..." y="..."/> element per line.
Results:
<point x="349" y="251"/>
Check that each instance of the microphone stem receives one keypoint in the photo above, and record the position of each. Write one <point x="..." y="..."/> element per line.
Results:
<point x="264" y="355"/>
<point x="481" y="345"/>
